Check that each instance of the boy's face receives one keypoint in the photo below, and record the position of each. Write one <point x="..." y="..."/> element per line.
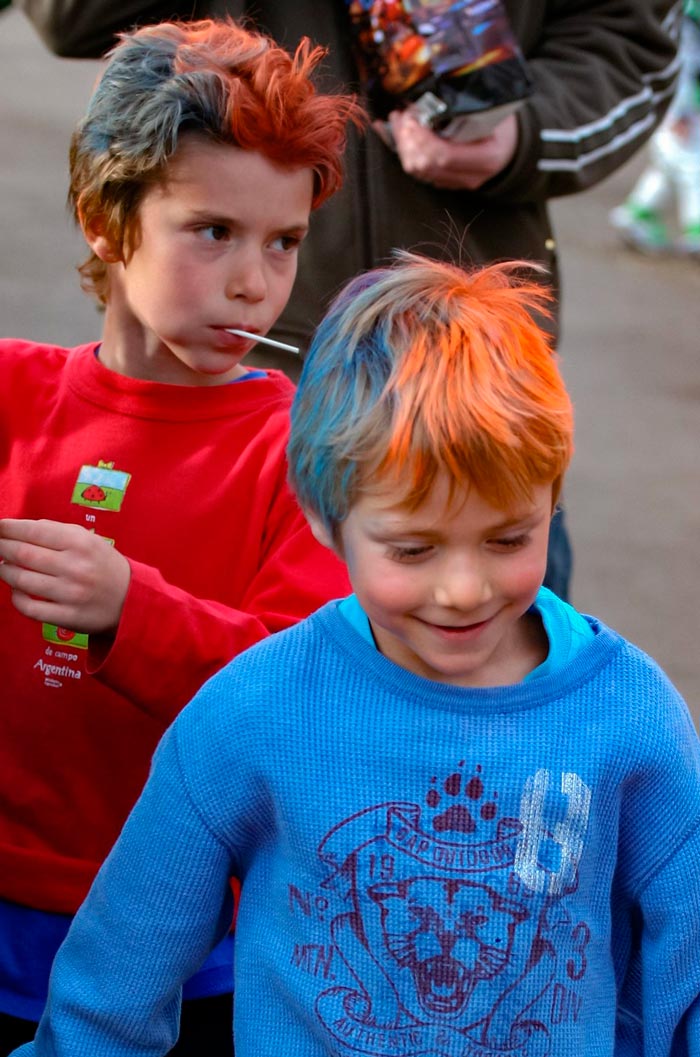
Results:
<point x="216" y="247"/>
<point x="447" y="587"/>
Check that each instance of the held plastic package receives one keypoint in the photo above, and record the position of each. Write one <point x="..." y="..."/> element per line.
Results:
<point x="457" y="64"/>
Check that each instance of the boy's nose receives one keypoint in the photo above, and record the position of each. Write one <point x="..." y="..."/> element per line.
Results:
<point x="247" y="279"/>
<point x="462" y="585"/>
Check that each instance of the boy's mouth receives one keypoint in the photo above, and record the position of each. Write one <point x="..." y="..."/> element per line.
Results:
<point x="459" y="631"/>
<point x="226" y="340"/>
<point x="237" y="331"/>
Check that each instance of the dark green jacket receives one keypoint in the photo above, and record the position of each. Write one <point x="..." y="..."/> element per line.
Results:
<point x="604" y="73"/>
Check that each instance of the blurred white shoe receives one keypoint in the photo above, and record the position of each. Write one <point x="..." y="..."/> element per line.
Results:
<point x="642" y="228"/>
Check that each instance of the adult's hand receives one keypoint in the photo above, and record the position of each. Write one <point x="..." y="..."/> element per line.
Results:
<point x="63" y="574"/>
<point x="446" y="163"/>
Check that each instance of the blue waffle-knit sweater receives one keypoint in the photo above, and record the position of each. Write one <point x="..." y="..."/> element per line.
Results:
<point x="427" y="870"/>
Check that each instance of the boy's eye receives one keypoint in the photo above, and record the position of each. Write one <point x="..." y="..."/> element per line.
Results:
<point x="286" y="243"/>
<point x="410" y="553"/>
<point x="511" y="542"/>
<point x="214" y="232"/>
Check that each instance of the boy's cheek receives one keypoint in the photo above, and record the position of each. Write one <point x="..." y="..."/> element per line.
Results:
<point x="383" y="589"/>
<point x="530" y="574"/>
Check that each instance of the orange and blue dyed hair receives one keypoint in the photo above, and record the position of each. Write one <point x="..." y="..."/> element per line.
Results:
<point x="421" y="368"/>
<point x="212" y="77"/>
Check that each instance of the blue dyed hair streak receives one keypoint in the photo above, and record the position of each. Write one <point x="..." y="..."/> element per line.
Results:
<point x="423" y="367"/>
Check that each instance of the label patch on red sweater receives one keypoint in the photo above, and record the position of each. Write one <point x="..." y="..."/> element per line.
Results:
<point x="101" y="486"/>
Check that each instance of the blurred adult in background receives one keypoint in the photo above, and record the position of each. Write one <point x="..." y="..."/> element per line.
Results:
<point x="661" y="214"/>
<point x="603" y="73"/>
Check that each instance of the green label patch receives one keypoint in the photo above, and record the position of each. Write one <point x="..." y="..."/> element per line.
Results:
<point x="64" y="637"/>
<point x="100" y="487"/>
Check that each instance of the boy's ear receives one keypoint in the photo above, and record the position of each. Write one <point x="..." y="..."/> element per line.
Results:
<point x="320" y="532"/>
<point x="97" y="240"/>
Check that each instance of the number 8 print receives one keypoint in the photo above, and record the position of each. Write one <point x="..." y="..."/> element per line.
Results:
<point x="568" y="834"/>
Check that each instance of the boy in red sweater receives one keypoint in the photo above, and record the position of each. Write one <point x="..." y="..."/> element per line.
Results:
<point x="148" y="534"/>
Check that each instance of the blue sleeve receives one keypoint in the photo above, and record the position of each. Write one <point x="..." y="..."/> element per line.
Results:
<point x="659" y="1006"/>
<point x="158" y="906"/>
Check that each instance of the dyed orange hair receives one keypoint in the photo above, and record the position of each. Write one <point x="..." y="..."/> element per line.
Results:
<point x="213" y="77"/>
<point x="423" y="368"/>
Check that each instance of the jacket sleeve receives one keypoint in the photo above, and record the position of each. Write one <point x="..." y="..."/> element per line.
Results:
<point x="659" y="1004"/>
<point x="169" y="643"/>
<point x="604" y="73"/>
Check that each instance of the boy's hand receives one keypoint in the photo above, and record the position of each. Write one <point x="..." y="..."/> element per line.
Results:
<point x="451" y="165"/>
<point x="63" y="574"/>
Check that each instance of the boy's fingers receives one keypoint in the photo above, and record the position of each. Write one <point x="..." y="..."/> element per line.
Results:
<point x="29" y="582"/>
<point x="41" y="532"/>
<point x="40" y="609"/>
<point x="29" y="556"/>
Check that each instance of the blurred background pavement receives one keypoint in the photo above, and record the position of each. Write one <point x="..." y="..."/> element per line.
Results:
<point x="631" y="357"/>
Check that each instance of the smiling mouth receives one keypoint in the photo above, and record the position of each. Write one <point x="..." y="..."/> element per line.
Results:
<point x="457" y="630"/>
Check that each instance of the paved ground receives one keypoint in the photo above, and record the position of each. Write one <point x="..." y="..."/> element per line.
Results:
<point x="631" y="356"/>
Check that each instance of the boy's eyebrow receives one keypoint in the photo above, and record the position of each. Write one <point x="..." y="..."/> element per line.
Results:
<point x="387" y="528"/>
<point x="400" y="530"/>
<point x="516" y="521"/>
<point x="213" y="217"/>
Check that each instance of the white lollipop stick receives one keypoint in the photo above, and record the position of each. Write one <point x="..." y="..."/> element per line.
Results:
<point x="265" y="341"/>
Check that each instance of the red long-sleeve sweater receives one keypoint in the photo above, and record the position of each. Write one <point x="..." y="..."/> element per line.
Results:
<point x="190" y="485"/>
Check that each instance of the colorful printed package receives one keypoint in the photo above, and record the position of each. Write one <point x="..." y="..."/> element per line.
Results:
<point x="456" y="63"/>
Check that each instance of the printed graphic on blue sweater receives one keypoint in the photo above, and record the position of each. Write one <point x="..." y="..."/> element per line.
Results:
<point x="446" y="925"/>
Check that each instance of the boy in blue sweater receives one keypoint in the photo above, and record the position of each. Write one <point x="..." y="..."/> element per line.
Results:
<point x="466" y="818"/>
